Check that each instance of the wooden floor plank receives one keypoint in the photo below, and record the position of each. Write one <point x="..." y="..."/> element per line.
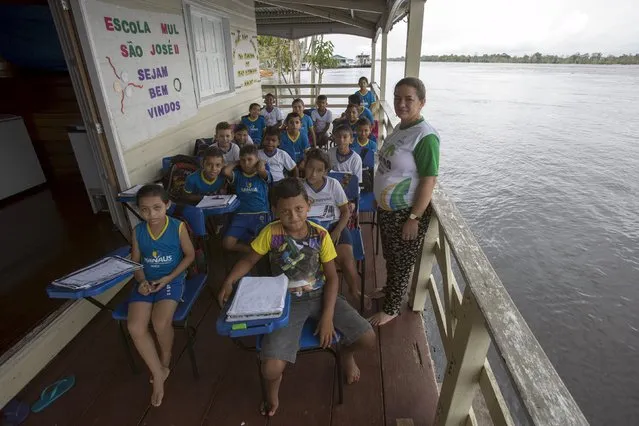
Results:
<point x="308" y="391"/>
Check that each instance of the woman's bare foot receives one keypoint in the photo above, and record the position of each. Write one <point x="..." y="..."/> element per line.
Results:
<point x="351" y="370"/>
<point x="380" y="318"/>
<point x="158" y="387"/>
<point x="269" y="408"/>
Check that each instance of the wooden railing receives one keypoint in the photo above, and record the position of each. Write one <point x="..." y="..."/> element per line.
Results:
<point x="468" y="322"/>
<point x="285" y="93"/>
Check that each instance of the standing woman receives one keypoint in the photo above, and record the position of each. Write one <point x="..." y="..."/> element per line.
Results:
<point x="404" y="182"/>
<point x="368" y="97"/>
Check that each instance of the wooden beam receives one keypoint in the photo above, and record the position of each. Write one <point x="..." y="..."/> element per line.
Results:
<point x="373" y="6"/>
<point x="414" y="38"/>
<point x="342" y="18"/>
<point x="305" y="30"/>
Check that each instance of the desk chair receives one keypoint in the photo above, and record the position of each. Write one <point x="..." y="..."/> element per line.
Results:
<point x="195" y="282"/>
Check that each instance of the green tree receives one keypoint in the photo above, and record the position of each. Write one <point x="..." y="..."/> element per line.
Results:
<point x="321" y="56"/>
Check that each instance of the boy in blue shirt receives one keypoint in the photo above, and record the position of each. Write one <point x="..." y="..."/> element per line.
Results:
<point x="251" y="181"/>
<point x="207" y="180"/>
<point x="163" y="246"/>
<point x="363" y="144"/>
<point x="255" y="123"/>
<point x="294" y="141"/>
<point x="305" y="253"/>
<point x="362" y="110"/>
<point x="307" y="123"/>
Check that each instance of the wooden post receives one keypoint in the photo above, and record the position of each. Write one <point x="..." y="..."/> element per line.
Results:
<point x="468" y="354"/>
<point x="373" y="54"/>
<point x="414" y="38"/>
<point x="421" y="273"/>
<point x="382" y="72"/>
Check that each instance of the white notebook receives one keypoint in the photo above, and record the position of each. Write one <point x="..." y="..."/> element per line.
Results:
<point x="258" y="298"/>
<point x="209" y="201"/>
<point x="98" y="273"/>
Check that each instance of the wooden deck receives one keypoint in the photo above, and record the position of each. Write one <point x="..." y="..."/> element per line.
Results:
<point x="397" y="386"/>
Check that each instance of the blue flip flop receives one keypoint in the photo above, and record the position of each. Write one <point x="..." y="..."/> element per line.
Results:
<point x="14" y="413"/>
<point x="53" y="392"/>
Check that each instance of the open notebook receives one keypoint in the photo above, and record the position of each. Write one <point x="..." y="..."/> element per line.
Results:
<point x="258" y="298"/>
<point x="211" y="201"/>
<point x="97" y="273"/>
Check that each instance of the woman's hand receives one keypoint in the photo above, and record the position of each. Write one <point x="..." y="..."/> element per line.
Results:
<point x="409" y="230"/>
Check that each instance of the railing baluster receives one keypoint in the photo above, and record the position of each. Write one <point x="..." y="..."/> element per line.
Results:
<point x="421" y="273"/>
<point x="469" y="348"/>
<point x="499" y="412"/>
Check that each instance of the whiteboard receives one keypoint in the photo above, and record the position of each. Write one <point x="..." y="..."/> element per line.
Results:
<point x="144" y="69"/>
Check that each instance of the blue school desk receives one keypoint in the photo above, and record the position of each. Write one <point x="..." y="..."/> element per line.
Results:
<point x="235" y="329"/>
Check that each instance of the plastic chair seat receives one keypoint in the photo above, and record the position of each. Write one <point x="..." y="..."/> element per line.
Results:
<point x="358" y="244"/>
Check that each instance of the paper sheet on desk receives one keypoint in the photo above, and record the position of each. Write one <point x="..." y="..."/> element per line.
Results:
<point x="97" y="273"/>
<point x="209" y="201"/>
<point x="259" y="298"/>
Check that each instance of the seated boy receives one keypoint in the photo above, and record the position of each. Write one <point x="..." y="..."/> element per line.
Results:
<point x="322" y="119"/>
<point x="363" y="112"/>
<point x="277" y="159"/>
<point x="342" y="158"/>
<point x="363" y="143"/>
<point x="324" y="190"/>
<point x="241" y="135"/>
<point x="223" y="141"/>
<point x="255" y="123"/>
<point x="272" y="114"/>
<point x="251" y="181"/>
<point x="305" y="253"/>
<point x="294" y="141"/>
<point x="206" y="181"/>
<point x="307" y="124"/>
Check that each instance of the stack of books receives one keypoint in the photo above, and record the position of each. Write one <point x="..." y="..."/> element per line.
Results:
<point x="258" y="298"/>
<point x="216" y="201"/>
<point x="104" y="270"/>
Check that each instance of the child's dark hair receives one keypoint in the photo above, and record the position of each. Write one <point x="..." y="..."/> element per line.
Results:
<point x="297" y="101"/>
<point x="212" y="152"/>
<point x="287" y="188"/>
<point x="272" y="131"/>
<point x="318" y="154"/>
<point x="269" y="95"/>
<point x="363" y="122"/>
<point x="241" y="127"/>
<point x="355" y="99"/>
<point x="343" y="129"/>
<point x="248" y="149"/>
<point x="222" y="125"/>
<point x="254" y="104"/>
<point x="292" y="115"/>
<point x="362" y="78"/>
<point x="152" y="190"/>
<point x="350" y="106"/>
<point x="322" y="98"/>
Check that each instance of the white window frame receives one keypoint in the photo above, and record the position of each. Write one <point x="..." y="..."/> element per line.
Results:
<point x="221" y="52"/>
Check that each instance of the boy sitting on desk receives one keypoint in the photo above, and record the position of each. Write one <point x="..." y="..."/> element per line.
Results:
<point x="251" y="181"/>
<point x="305" y="253"/>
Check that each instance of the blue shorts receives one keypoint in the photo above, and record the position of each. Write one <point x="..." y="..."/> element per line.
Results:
<point x="172" y="291"/>
<point x="246" y="226"/>
<point x="345" y="237"/>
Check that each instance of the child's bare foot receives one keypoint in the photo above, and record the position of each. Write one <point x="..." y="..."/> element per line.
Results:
<point x="378" y="293"/>
<point x="158" y="387"/>
<point x="380" y="318"/>
<point x="351" y="370"/>
<point x="164" y="364"/>
<point x="269" y="408"/>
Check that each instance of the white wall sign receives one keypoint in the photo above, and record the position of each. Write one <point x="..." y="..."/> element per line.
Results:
<point x="144" y="68"/>
<point x="246" y="64"/>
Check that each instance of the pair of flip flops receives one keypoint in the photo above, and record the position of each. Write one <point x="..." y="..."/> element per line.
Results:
<point x="16" y="412"/>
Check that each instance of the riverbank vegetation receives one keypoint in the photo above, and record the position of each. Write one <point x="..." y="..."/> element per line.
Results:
<point x="537" y="58"/>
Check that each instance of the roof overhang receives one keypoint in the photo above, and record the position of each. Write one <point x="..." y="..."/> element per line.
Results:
<point x="295" y="19"/>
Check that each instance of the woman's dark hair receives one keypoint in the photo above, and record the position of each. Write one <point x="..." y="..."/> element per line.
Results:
<point x="152" y="190"/>
<point x="240" y="127"/>
<point x="214" y="152"/>
<point x="254" y="104"/>
<point x="363" y="122"/>
<point x="355" y="99"/>
<point x="342" y="129"/>
<point x="319" y="154"/>
<point x="292" y="115"/>
<point x="415" y="83"/>
<point x="272" y="131"/>
<point x="362" y="78"/>
<point x="287" y="188"/>
<point x="248" y="149"/>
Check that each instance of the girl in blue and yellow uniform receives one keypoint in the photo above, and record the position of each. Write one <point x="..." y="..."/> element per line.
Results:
<point x="162" y="245"/>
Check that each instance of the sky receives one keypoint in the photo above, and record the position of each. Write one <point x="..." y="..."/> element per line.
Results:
<point x="560" y="27"/>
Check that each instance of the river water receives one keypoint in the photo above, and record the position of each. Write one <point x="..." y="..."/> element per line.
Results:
<point x="543" y="162"/>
